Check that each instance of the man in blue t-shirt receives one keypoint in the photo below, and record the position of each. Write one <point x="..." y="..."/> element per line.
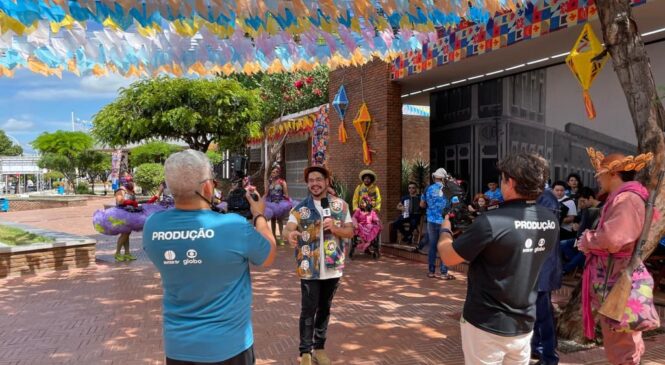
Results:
<point x="494" y="193"/>
<point x="436" y="202"/>
<point x="203" y="258"/>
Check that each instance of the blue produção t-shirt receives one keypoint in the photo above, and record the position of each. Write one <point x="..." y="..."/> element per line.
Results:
<point x="203" y="258"/>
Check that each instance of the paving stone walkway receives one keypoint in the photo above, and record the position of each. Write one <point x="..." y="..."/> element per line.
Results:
<point x="385" y="312"/>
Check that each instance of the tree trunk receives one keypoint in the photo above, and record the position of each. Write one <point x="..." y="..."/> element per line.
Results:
<point x="569" y="324"/>
<point x="631" y="64"/>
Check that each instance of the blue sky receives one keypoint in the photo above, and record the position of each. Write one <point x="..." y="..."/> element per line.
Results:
<point x="31" y="104"/>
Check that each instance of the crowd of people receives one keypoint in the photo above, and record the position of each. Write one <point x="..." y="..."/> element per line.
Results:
<point x="522" y="229"/>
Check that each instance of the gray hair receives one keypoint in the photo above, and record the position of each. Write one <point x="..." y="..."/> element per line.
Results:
<point x="185" y="171"/>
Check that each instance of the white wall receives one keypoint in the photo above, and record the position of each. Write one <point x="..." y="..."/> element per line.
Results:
<point x="565" y="104"/>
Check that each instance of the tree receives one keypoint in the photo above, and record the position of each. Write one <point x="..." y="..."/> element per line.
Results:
<point x="152" y="152"/>
<point x="215" y="157"/>
<point x="631" y="64"/>
<point x="195" y="111"/>
<point x="94" y="165"/>
<point x="8" y="147"/>
<point x="285" y="93"/>
<point x="61" y="151"/>
<point x="148" y="176"/>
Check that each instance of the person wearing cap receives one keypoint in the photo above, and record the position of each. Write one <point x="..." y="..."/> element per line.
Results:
<point x="611" y="245"/>
<point x="435" y="202"/>
<point x="317" y="228"/>
<point x="506" y="249"/>
<point x="367" y="187"/>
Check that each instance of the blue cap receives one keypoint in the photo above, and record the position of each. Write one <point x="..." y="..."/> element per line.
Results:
<point x="455" y="200"/>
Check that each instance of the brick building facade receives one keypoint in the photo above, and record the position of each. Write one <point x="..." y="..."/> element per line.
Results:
<point x="371" y="82"/>
<point x="415" y="137"/>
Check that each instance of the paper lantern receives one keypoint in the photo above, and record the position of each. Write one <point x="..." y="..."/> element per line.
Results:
<point x="362" y="123"/>
<point x="341" y="104"/>
<point x="585" y="65"/>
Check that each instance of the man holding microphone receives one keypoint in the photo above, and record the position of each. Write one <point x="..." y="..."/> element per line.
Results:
<point x="317" y="229"/>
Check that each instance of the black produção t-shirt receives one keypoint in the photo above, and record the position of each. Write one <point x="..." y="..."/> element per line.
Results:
<point x="506" y="248"/>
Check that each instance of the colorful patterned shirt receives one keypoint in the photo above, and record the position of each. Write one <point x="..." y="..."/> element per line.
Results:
<point x="436" y="203"/>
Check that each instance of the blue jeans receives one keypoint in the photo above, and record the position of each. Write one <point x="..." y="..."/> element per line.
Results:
<point x="433" y="230"/>
<point x="572" y="256"/>
<point x="544" y="342"/>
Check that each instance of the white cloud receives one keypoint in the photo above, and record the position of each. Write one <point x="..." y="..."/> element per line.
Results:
<point x="89" y="88"/>
<point x="13" y="125"/>
<point x="61" y="94"/>
<point x="105" y="85"/>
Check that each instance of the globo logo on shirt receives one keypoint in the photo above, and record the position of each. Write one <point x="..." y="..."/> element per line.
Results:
<point x="191" y="258"/>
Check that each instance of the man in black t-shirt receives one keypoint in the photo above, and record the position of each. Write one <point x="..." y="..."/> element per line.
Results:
<point x="506" y="249"/>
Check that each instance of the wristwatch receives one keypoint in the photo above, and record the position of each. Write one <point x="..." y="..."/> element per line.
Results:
<point x="259" y="216"/>
<point x="446" y="230"/>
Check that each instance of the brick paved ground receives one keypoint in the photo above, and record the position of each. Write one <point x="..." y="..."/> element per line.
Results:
<point x="385" y="312"/>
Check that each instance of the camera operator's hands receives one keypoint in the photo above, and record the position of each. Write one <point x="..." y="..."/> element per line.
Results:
<point x="446" y="223"/>
<point x="293" y="238"/>
<point x="256" y="207"/>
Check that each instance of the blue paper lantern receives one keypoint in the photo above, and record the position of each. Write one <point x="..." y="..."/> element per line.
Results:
<point x="341" y="102"/>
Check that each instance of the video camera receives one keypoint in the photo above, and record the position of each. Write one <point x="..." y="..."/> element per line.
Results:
<point x="237" y="199"/>
<point x="458" y="213"/>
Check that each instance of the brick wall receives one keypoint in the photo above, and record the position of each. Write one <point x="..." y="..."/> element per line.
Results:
<point x="20" y="205"/>
<point x="385" y="136"/>
<point x="415" y="137"/>
<point x="58" y="258"/>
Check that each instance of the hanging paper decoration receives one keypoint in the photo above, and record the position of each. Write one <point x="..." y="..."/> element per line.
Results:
<point x="341" y="104"/>
<point x="293" y="127"/>
<point x="320" y="137"/>
<point x="362" y="123"/>
<point x="584" y="64"/>
<point x="153" y="37"/>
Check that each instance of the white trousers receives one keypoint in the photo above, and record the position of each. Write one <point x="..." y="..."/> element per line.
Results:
<point x="484" y="348"/>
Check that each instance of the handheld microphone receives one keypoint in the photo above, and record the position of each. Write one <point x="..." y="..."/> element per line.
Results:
<point x="325" y="204"/>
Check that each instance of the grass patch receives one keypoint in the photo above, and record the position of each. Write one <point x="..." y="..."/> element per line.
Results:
<point x="17" y="237"/>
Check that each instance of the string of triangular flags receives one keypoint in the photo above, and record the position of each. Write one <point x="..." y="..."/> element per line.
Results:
<point x="149" y="37"/>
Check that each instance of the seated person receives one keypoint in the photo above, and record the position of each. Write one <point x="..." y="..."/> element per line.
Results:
<point x="494" y="193"/>
<point x="479" y="205"/>
<point x="409" y="205"/>
<point x="590" y="216"/>
<point x="367" y="187"/>
<point x="567" y="211"/>
<point x="366" y="224"/>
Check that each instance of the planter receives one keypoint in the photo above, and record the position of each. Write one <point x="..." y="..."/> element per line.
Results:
<point x="67" y="252"/>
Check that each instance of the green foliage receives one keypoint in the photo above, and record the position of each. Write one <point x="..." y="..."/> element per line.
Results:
<point x="17" y="237"/>
<point x="62" y="151"/>
<point x="280" y="95"/>
<point x="7" y="147"/>
<point x="417" y="171"/>
<point x="195" y="111"/>
<point x="148" y="176"/>
<point x="341" y="189"/>
<point x="215" y="157"/>
<point x="152" y="152"/>
<point x="82" y="188"/>
<point x="53" y="175"/>
<point x="68" y="144"/>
